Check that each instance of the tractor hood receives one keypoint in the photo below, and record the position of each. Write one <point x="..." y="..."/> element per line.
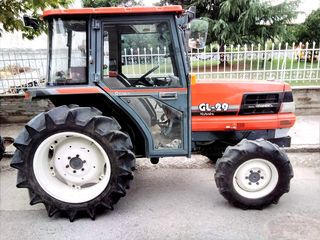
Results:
<point x="231" y="92"/>
<point x="241" y="105"/>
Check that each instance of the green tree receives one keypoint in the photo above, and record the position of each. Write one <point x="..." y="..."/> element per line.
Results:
<point x="308" y="31"/>
<point x="295" y="33"/>
<point x="12" y="12"/>
<point x="110" y="3"/>
<point x="243" y="21"/>
<point x="311" y="28"/>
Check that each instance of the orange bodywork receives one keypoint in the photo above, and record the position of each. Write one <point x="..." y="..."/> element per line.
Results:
<point x="231" y="92"/>
<point x="114" y="10"/>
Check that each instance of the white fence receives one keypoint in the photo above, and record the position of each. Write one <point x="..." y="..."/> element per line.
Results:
<point x="290" y="63"/>
<point x="296" y="64"/>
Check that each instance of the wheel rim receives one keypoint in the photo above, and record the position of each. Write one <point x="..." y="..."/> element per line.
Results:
<point x="71" y="167"/>
<point x="255" y="178"/>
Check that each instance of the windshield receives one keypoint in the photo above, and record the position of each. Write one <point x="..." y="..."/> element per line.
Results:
<point x="67" y="52"/>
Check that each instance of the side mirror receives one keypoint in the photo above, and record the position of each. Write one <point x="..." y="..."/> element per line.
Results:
<point x="198" y="34"/>
<point x="191" y="13"/>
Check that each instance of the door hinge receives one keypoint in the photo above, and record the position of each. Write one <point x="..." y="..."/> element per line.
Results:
<point x="96" y="77"/>
<point x="95" y="25"/>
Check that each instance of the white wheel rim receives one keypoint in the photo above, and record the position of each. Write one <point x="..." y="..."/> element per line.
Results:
<point x="255" y="178"/>
<point x="75" y="170"/>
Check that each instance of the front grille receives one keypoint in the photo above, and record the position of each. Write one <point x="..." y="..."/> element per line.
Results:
<point x="264" y="103"/>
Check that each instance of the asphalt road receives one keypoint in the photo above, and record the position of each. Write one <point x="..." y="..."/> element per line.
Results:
<point x="170" y="204"/>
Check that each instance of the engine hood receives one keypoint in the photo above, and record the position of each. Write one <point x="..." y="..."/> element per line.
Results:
<point x="231" y="91"/>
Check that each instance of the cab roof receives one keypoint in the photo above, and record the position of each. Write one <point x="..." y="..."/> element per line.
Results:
<point x="113" y="10"/>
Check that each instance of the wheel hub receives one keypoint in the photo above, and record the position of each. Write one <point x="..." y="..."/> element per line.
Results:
<point x="76" y="163"/>
<point x="254" y="177"/>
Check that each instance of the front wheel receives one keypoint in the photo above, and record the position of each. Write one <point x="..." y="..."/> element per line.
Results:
<point x="253" y="174"/>
<point x="74" y="160"/>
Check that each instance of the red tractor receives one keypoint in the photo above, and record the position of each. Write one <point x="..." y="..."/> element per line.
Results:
<point x="81" y="154"/>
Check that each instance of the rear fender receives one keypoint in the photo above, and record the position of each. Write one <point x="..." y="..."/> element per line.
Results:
<point x="107" y="106"/>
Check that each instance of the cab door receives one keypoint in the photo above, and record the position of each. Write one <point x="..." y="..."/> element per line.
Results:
<point x="143" y="70"/>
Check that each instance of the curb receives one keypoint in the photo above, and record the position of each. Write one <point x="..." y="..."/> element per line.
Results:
<point x="303" y="149"/>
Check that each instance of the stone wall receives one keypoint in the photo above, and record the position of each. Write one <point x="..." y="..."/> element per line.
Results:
<point x="15" y="109"/>
<point x="307" y="100"/>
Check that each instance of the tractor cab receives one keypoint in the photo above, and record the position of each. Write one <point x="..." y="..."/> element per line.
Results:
<point x="136" y="57"/>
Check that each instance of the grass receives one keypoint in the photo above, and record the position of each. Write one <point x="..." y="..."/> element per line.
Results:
<point x="255" y="65"/>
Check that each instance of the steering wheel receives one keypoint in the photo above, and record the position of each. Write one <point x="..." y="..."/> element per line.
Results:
<point x="143" y="77"/>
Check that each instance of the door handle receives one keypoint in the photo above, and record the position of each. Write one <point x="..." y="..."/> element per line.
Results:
<point x="168" y="95"/>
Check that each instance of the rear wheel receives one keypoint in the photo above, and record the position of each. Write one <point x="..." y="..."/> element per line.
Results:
<point x="74" y="160"/>
<point x="253" y="174"/>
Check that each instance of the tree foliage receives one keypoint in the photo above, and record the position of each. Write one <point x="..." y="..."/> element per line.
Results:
<point x="110" y="3"/>
<point x="308" y="31"/>
<point x="243" y="21"/>
<point x="12" y="12"/>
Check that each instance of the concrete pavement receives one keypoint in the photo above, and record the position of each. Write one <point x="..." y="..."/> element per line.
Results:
<point x="170" y="204"/>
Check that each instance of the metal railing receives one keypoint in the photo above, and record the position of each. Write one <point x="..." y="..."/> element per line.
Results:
<point x="21" y="69"/>
<point x="290" y="63"/>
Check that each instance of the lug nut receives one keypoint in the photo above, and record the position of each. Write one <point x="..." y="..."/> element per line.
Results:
<point x="74" y="171"/>
<point x="67" y="166"/>
<point x="249" y="183"/>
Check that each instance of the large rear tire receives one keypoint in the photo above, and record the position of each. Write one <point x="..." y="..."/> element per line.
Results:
<point x="73" y="160"/>
<point x="253" y="174"/>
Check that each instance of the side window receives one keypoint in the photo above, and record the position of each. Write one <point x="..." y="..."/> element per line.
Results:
<point x="68" y="52"/>
<point x="147" y="55"/>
